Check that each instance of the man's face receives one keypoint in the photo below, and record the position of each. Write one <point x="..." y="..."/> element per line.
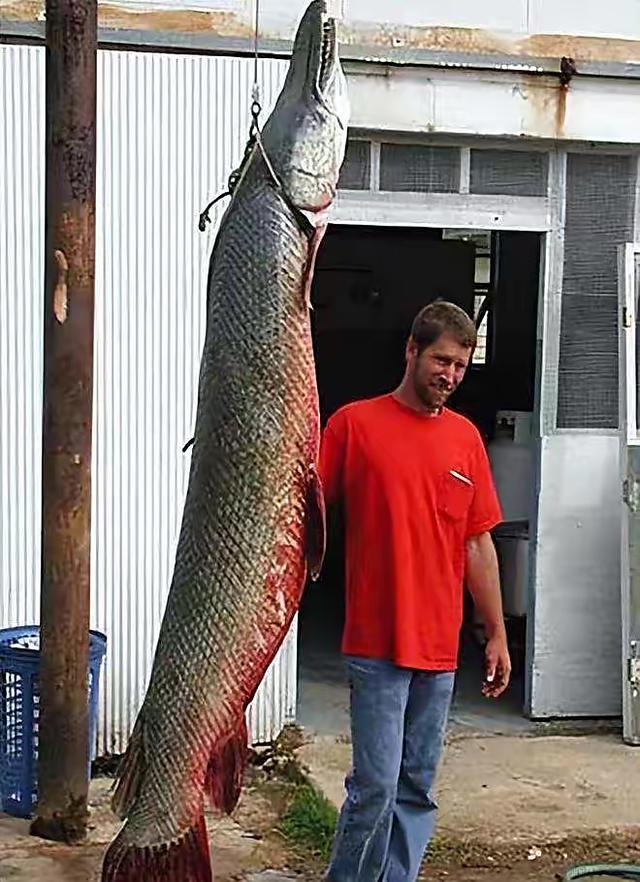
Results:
<point x="438" y="370"/>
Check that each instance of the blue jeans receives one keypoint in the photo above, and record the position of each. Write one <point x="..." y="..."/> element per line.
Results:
<point x="398" y="723"/>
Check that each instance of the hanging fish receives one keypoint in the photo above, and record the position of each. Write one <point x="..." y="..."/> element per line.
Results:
<point x="253" y="522"/>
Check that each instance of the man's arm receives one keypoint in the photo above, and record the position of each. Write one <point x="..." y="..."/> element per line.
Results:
<point x="483" y="581"/>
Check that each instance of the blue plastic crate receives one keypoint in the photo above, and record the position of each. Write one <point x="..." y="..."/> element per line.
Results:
<point x="19" y="713"/>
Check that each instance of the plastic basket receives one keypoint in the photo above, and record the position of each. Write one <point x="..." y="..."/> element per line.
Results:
<point x="19" y="713"/>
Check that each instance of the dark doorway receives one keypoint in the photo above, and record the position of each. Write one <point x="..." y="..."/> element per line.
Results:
<point x="369" y="284"/>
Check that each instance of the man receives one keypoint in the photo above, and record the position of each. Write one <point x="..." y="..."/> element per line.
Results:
<point x="419" y="502"/>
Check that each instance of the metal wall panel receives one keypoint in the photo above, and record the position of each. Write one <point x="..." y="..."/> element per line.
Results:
<point x="576" y="649"/>
<point x="21" y="324"/>
<point x="170" y="129"/>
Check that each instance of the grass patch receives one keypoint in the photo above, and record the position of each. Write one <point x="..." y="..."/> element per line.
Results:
<point x="309" y="822"/>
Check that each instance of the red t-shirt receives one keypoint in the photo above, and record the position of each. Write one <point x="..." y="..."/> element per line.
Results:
<point x="414" y="488"/>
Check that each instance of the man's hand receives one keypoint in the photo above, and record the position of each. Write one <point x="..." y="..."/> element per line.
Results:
<point x="498" y="666"/>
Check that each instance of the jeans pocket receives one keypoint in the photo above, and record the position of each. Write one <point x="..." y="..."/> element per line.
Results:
<point x="360" y="668"/>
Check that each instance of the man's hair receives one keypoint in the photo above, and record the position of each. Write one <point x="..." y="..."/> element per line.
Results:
<point x="440" y="318"/>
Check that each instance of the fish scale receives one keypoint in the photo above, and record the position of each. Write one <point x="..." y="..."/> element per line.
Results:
<point x="253" y="520"/>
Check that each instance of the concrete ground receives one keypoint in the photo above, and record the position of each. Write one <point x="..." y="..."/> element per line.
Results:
<point x="511" y="808"/>
<point x="518" y="807"/>
<point x="241" y="847"/>
<point x="525" y="791"/>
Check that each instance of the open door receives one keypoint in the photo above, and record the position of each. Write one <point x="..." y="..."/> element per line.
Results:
<point x="629" y="294"/>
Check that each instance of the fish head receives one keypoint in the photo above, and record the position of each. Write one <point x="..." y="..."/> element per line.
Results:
<point x="305" y="135"/>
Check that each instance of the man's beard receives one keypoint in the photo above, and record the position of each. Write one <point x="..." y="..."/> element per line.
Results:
<point x="430" y="397"/>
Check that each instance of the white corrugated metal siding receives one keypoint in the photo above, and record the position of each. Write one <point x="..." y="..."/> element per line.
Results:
<point x="21" y="334"/>
<point x="170" y="129"/>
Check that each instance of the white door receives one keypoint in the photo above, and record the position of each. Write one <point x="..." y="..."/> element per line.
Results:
<point x="629" y="296"/>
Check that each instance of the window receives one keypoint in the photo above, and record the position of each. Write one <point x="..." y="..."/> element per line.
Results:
<point x="356" y="169"/>
<point x="482" y="283"/>
<point x="413" y="168"/>
<point x="509" y="172"/>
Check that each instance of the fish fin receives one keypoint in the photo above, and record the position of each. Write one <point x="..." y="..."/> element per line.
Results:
<point x="184" y="860"/>
<point x="130" y="772"/>
<point x="316" y="525"/>
<point x="226" y="769"/>
<point x="314" y="245"/>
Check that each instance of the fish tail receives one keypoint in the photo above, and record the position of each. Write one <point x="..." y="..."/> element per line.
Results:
<point x="226" y="769"/>
<point x="184" y="860"/>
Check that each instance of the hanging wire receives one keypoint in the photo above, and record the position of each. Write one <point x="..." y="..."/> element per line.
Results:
<point x="255" y="92"/>
<point x="255" y="141"/>
<point x="254" y="133"/>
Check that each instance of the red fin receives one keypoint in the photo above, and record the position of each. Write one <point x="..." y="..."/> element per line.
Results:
<point x="316" y="527"/>
<point x="314" y="244"/>
<point x="226" y="770"/>
<point x="186" y="860"/>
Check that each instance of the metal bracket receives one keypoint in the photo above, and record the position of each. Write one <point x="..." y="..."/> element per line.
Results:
<point x="633" y="669"/>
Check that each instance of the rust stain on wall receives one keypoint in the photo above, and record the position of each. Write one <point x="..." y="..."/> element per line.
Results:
<point x="222" y="24"/>
<point x="431" y="38"/>
<point x="388" y="37"/>
<point x="580" y="48"/>
<point x="561" y="109"/>
<point x="546" y="106"/>
<point x="22" y="10"/>
<point x="476" y="41"/>
<point x="145" y="18"/>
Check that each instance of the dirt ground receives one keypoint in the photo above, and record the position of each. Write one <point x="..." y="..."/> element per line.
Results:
<point x="511" y="809"/>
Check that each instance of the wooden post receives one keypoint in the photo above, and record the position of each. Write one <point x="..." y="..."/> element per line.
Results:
<point x="68" y="393"/>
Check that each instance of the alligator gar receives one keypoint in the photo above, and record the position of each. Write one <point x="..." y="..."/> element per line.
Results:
<point x="253" y="521"/>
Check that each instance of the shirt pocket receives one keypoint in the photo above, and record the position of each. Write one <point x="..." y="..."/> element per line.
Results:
<point x="455" y="495"/>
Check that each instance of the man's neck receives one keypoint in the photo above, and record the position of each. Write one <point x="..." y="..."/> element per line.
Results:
<point x="407" y="396"/>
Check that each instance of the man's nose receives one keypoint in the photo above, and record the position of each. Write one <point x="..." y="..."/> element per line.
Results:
<point x="449" y="373"/>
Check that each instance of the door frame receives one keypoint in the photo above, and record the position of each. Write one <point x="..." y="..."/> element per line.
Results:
<point x="544" y="215"/>
<point x="628" y="319"/>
